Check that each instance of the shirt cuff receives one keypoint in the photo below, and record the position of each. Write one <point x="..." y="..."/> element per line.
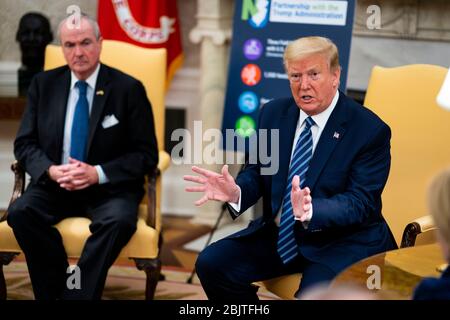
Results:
<point x="237" y="206"/>
<point x="102" y="178"/>
<point x="308" y="218"/>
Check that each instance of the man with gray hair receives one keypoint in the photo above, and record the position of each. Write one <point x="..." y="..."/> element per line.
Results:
<point x="87" y="139"/>
<point x="322" y="209"/>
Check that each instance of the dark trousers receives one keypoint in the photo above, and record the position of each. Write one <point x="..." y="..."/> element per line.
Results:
<point x="228" y="267"/>
<point x="32" y="217"/>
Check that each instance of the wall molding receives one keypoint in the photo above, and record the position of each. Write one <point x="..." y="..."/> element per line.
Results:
<point x="406" y="19"/>
<point x="9" y="78"/>
<point x="183" y="93"/>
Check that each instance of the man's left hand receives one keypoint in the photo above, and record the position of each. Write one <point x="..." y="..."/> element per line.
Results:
<point x="81" y="176"/>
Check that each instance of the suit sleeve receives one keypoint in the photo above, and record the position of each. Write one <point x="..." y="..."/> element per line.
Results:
<point x="365" y="183"/>
<point x="251" y="184"/>
<point x="142" y="150"/>
<point x="26" y="145"/>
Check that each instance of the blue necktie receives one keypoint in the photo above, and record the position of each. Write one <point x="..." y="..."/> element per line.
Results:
<point x="287" y="246"/>
<point x="80" y="125"/>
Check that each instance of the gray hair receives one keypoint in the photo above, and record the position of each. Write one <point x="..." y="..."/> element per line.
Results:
<point x="84" y="16"/>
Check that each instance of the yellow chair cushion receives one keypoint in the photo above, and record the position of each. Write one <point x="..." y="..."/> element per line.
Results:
<point x="74" y="231"/>
<point x="284" y="286"/>
<point x="8" y="242"/>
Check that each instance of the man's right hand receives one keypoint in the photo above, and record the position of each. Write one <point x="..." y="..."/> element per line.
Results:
<point x="215" y="186"/>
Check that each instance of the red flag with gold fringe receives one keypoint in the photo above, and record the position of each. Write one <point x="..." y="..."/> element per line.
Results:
<point x="146" y="23"/>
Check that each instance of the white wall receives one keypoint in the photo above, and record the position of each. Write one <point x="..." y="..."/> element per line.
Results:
<point x="8" y="131"/>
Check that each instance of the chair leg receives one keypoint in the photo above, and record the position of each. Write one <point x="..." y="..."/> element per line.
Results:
<point x="5" y="259"/>
<point x="152" y="268"/>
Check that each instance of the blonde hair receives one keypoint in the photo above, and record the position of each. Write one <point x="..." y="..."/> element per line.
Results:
<point x="307" y="46"/>
<point x="439" y="203"/>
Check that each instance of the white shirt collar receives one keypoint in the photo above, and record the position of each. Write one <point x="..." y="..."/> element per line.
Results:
<point x="91" y="81"/>
<point x="321" y="118"/>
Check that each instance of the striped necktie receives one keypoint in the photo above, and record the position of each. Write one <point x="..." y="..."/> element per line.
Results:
<point x="287" y="246"/>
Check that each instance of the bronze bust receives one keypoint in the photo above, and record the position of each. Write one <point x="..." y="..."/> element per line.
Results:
<point x="33" y="35"/>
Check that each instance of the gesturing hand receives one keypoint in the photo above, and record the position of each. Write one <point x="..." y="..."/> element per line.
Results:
<point x="215" y="186"/>
<point x="300" y="199"/>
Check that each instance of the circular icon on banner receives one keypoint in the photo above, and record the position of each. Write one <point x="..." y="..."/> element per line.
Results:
<point x="245" y="126"/>
<point x="251" y="74"/>
<point x="253" y="49"/>
<point x="248" y="102"/>
<point x="261" y="16"/>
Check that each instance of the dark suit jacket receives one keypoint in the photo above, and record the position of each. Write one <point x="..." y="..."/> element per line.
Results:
<point x="126" y="151"/>
<point x="347" y="174"/>
<point x="434" y="288"/>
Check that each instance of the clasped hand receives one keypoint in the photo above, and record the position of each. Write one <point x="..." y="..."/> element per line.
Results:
<point x="76" y="175"/>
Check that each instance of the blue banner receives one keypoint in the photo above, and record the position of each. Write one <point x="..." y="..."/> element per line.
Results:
<point x="261" y="31"/>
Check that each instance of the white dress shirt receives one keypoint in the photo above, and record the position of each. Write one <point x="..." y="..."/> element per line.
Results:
<point x="320" y="120"/>
<point x="71" y="104"/>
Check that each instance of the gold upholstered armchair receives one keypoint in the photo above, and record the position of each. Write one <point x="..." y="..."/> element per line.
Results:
<point x="148" y="66"/>
<point x="405" y="98"/>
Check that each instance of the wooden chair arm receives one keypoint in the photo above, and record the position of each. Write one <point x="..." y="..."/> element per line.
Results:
<point x="19" y="185"/>
<point x="163" y="164"/>
<point x="416" y="227"/>
<point x="151" y="194"/>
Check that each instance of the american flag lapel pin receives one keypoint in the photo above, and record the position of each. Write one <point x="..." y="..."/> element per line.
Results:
<point x="336" y="135"/>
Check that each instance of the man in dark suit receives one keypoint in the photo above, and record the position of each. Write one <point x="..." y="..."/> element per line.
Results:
<point x="322" y="209"/>
<point x="87" y="139"/>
